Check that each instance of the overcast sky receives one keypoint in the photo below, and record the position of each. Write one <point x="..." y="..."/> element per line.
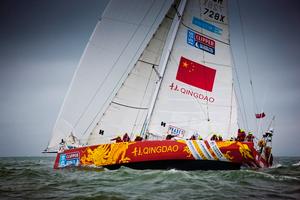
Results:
<point x="42" y="42"/>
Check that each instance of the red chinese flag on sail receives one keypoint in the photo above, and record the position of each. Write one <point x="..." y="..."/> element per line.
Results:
<point x="195" y="74"/>
<point x="260" y="115"/>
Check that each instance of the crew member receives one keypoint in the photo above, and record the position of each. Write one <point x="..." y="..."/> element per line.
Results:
<point x="261" y="144"/>
<point x="169" y="137"/>
<point x="138" y="138"/>
<point x="267" y="152"/>
<point x="220" y="138"/>
<point x="126" y="138"/>
<point x="193" y="137"/>
<point x="214" y="137"/>
<point x="268" y="133"/>
<point x="250" y="137"/>
<point x="241" y="135"/>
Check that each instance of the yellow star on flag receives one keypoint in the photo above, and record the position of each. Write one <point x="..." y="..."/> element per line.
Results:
<point x="185" y="64"/>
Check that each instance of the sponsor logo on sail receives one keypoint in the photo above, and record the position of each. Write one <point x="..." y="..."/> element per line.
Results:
<point x="207" y="26"/>
<point x="200" y="42"/>
<point x="196" y="74"/>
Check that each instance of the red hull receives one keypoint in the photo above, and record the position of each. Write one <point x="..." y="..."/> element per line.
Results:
<point x="165" y="154"/>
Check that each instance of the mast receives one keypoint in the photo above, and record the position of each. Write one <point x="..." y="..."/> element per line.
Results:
<point x="163" y="62"/>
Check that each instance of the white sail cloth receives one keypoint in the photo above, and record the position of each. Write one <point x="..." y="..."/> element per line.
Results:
<point x="117" y="42"/>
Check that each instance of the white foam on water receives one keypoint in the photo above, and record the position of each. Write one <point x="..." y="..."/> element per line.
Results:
<point x="276" y="166"/>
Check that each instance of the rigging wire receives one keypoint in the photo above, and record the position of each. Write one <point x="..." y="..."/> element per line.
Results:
<point x="260" y="127"/>
<point x="243" y="107"/>
<point x="230" y="114"/>
<point x="247" y="60"/>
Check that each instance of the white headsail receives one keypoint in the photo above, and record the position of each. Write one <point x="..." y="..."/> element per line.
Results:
<point x="116" y="44"/>
<point x="128" y="109"/>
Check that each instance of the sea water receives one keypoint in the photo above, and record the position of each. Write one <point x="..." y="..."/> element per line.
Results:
<point x="35" y="178"/>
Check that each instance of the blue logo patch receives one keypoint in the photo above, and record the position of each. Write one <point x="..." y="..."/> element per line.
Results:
<point x="207" y="26"/>
<point x="70" y="159"/>
<point x="200" y="42"/>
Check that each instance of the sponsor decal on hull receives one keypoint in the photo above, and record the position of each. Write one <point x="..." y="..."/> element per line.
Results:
<point x="140" y="151"/>
<point x="144" y="151"/>
<point x="69" y="159"/>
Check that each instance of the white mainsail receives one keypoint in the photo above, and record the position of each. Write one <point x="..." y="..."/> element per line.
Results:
<point x="117" y="42"/>
<point x="184" y="107"/>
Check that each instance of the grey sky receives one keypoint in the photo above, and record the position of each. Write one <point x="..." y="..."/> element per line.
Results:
<point x="42" y="42"/>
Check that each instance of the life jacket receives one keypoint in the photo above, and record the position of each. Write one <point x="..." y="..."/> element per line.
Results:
<point x="241" y="135"/>
<point x="250" y="138"/>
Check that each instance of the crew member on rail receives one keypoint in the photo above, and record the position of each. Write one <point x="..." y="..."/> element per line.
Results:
<point x="241" y="135"/>
<point x="138" y="138"/>
<point x="214" y="137"/>
<point x="126" y="138"/>
<point x="250" y="137"/>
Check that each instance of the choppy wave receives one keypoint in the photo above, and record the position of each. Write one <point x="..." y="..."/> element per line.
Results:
<point x="35" y="178"/>
<point x="296" y="164"/>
